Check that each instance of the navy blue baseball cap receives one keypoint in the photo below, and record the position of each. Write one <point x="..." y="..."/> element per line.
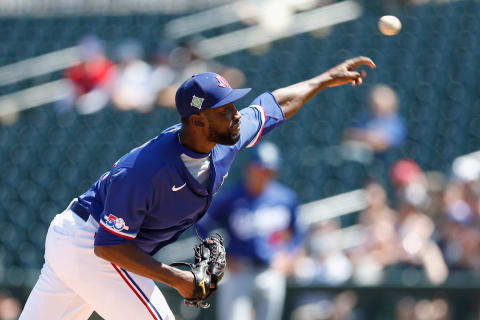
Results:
<point x="204" y="91"/>
<point x="266" y="155"/>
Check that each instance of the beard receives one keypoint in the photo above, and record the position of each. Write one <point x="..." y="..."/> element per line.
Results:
<point x="228" y="138"/>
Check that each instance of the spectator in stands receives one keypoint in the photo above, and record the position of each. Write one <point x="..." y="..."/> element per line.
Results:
<point x="260" y="217"/>
<point x="164" y="75"/>
<point x="376" y="131"/>
<point x="460" y="239"/>
<point x="409" y="182"/>
<point x="134" y="86"/>
<point x="380" y="247"/>
<point x="466" y="174"/>
<point x="9" y="307"/>
<point x="91" y="80"/>
<point x="325" y="261"/>
<point x="416" y="230"/>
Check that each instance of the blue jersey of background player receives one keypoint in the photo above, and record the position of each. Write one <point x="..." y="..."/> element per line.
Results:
<point x="154" y="193"/>
<point x="258" y="213"/>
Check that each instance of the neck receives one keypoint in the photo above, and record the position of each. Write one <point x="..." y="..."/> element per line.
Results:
<point x="195" y="140"/>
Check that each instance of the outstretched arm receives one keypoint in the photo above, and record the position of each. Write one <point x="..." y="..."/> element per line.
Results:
<point x="293" y="97"/>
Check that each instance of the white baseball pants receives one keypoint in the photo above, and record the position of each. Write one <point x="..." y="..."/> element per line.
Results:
<point x="74" y="282"/>
<point x="251" y="291"/>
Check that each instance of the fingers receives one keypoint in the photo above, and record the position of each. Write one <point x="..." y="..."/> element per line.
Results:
<point x="357" y="82"/>
<point x="360" y="61"/>
<point x="354" y="75"/>
<point x="357" y="77"/>
<point x="345" y="72"/>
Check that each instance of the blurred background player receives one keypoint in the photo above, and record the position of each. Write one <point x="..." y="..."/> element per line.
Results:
<point x="260" y="217"/>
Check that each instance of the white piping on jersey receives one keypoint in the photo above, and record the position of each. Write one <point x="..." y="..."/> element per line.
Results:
<point x="259" y="133"/>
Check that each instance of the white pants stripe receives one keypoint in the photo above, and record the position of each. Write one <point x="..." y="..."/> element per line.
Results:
<point x="74" y="282"/>
<point x="138" y="292"/>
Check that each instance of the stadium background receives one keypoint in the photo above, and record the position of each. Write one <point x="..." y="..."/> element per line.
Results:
<point x="49" y="157"/>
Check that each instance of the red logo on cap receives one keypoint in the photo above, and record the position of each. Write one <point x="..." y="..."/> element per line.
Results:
<point x="222" y="82"/>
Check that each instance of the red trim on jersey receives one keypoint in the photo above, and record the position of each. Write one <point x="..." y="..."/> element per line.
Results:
<point x="115" y="233"/>
<point x="263" y="126"/>
<point x="136" y="293"/>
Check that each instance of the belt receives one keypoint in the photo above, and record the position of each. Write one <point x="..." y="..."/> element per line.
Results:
<point x="79" y="210"/>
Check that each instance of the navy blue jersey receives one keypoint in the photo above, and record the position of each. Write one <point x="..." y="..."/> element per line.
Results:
<point x="256" y="225"/>
<point x="151" y="197"/>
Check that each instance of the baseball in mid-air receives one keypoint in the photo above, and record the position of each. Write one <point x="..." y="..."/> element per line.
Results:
<point x="389" y="25"/>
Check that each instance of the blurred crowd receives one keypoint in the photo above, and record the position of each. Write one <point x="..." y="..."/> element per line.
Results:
<point x="129" y="80"/>
<point x="416" y="228"/>
<point x="431" y="221"/>
<point x="428" y="228"/>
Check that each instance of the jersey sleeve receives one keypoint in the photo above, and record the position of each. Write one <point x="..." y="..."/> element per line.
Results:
<point x="261" y="117"/>
<point x="127" y="201"/>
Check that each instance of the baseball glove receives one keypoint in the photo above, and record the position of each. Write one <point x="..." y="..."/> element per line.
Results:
<point x="208" y="268"/>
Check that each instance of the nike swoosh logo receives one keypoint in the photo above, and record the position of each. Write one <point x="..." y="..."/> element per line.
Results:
<point x="178" y="188"/>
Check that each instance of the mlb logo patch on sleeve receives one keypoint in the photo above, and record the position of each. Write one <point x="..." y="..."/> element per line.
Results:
<point x="116" y="225"/>
<point x="114" y="222"/>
